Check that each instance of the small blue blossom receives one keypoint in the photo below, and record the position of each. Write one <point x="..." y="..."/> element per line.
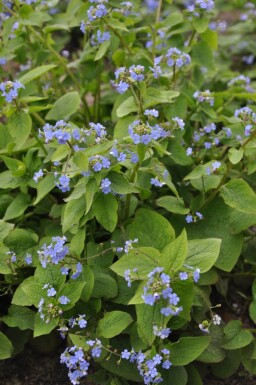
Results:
<point x="78" y="270"/>
<point x="99" y="162"/>
<point x="105" y="186"/>
<point x="10" y="89"/>
<point x="28" y="259"/>
<point x="204" y="96"/>
<point x="51" y="292"/>
<point x="180" y="123"/>
<point x="53" y="253"/>
<point x="64" y="300"/>
<point x="63" y="183"/>
<point x="177" y="58"/>
<point x="151" y="113"/>
<point x="156" y="182"/>
<point x="125" y="354"/>
<point x="189" y="218"/>
<point x="38" y="175"/>
<point x="183" y="276"/>
<point x="196" y="275"/>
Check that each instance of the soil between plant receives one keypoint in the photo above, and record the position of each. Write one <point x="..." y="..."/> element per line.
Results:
<point x="33" y="368"/>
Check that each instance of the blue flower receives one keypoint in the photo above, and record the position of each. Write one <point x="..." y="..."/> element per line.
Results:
<point x="64" y="300"/>
<point x="10" y="89"/>
<point x="183" y="276"/>
<point x="38" y="175"/>
<point x="105" y="186"/>
<point x="63" y="183"/>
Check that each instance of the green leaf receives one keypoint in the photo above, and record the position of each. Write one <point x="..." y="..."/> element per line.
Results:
<point x="19" y="240"/>
<point x="87" y="277"/>
<point x="6" y="347"/>
<point x="20" y="297"/>
<point x="239" y="195"/>
<point x="185" y="291"/>
<point x="104" y="285"/>
<point x="147" y="316"/>
<point x="73" y="291"/>
<point x="235" y="337"/>
<point x="172" y="204"/>
<point x="174" y="254"/>
<point x="20" y="317"/>
<point x="17" y="207"/>
<point x="5" y="267"/>
<point x="5" y="228"/>
<point x="113" y="323"/>
<point x="252" y="308"/>
<point x="41" y="327"/>
<point x="74" y="210"/>
<point x="77" y="243"/>
<point x="228" y="366"/>
<point x="214" y="352"/>
<point x="202" y="53"/>
<point x="36" y="73"/>
<point x="91" y="189"/>
<point x="44" y="186"/>
<point x="215" y="214"/>
<point x="102" y="50"/>
<point x="119" y="183"/>
<point x="81" y="160"/>
<point x="194" y="377"/>
<point x="19" y="126"/>
<point x="145" y="259"/>
<point x="17" y="167"/>
<point x="187" y="349"/>
<point x="156" y="96"/>
<point x="33" y="291"/>
<point x="115" y="23"/>
<point x="51" y="275"/>
<point x="176" y="375"/>
<point x="124" y="369"/>
<point x="126" y="107"/>
<point x="151" y="229"/>
<point x="235" y="155"/>
<point x="65" y="106"/>
<point x="105" y="210"/>
<point x="203" y="253"/>
<point x="200" y="23"/>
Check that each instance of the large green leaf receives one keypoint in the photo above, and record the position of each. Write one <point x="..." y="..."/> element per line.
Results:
<point x="172" y="204"/>
<point x="235" y="337"/>
<point x="17" y="207"/>
<point x="41" y="327"/>
<point x="187" y="349"/>
<point x="44" y="186"/>
<point x="36" y="73"/>
<point x="140" y="261"/>
<point x="151" y="229"/>
<point x="19" y="316"/>
<point x="6" y="347"/>
<point x="113" y="323"/>
<point x="147" y="316"/>
<point x="73" y="211"/>
<point x="65" y="106"/>
<point x="105" y="210"/>
<point x="175" y="253"/>
<point x="216" y="223"/>
<point x="19" y="240"/>
<point x="239" y="195"/>
<point x="19" y="126"/>
<point x="73" y="291"/>
<point x="203" y="253"/>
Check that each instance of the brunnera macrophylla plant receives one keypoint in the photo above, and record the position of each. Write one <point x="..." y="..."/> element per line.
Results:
<point x="127" y="180"/>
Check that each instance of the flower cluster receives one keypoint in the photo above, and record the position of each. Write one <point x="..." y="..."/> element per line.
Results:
<point x="246" y="115"/>
<point x="96" y="347"/>
<point x="147" y="366"/>
<point x="99" y="162"/>
<point x="100" y="37"/>
<point x="74" y="359"/>
<point x="105" y="186"/>
<point x="204" y="96"/>
<point x="200" y="6"/>
<point x="241" y="80"/>
<point x="194" y="218"/>
<point x="48" y="310"/>
<point x="173" y="58"/>
<point x="63" y="183"/>
<point x="161" y="332"/>
<point x="53" y="253"/>
<point x="79" y="321"/>
<point x="214" y="167"/>
<point x="10" y="89"/>
<point x="203" y="138"/>
<point x="128" y="246"/>
<point x="125" y="77"/>
<point x="144" y="133"/>
<point x="158" y="289"/>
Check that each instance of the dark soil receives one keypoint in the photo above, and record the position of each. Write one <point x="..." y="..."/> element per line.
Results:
<point x="32" y="368"/>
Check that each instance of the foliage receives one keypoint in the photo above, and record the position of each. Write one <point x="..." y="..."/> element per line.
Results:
<point x="127" y="175"/>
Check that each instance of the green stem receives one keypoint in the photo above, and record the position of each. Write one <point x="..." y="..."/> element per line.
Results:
<point x="215" y="192"/>
<point x="138" y="101"/>
<point x="39" y="141"/>
<point x="120" y="37"/>
<point x="158" y="11"/>
<point x="128" y="196"/>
